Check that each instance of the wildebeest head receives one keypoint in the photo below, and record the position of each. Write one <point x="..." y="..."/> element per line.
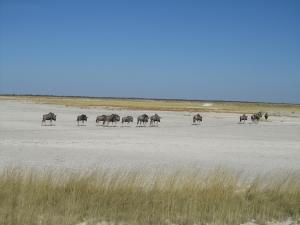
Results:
<point x="197" y="116"/>
<point x="115" y="117"/>
<point x="52" y="116"/>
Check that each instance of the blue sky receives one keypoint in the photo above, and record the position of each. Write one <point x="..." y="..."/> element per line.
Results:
<point x="227" y="50"/>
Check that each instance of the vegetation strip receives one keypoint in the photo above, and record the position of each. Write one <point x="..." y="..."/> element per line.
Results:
<point x="161" y="105"/>
<point x="129" y="197"/>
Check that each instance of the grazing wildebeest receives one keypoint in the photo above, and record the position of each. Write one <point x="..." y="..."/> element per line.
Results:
<point x="243" y="118"/>
<point x="127" y="119"/>
<point x="142" y="119"/>
<point x="266" y="116"/>
<point x="50" y="116"/>
<point x="113" y="118"/>
<point x="197" y="118"/>
<point x="101" y="118"/>
<point x="81" y="118"/>
<point x="154" y="119"/>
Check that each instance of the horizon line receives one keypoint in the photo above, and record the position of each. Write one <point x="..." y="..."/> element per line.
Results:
<point x="150" y="99"/>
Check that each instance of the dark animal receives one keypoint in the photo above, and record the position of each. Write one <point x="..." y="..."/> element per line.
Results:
<point x="155" y="119"/>
<point x="113" y="118"/>
<point x="257" y="116"/>
<point x="197" y="118"/>
<point x="127" y="119"/>
<point x="142" y="119"/>
<point x="101" y="118"/>
<point x="50" y="116"/>
<point x="266" y="116"/>
<point x="243" y="118"/>
<point x="81" y="118"/>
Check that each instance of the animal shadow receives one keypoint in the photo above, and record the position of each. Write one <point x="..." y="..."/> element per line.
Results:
<point x="155" y="125"/>
<point x="140" y="126"/>
<point x="48" y="125"/>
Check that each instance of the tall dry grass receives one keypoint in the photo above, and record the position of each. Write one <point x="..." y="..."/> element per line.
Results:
<point x="128" y="197"/>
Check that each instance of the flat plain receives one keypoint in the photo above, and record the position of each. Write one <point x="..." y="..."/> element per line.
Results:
<point x="219" y="141"/>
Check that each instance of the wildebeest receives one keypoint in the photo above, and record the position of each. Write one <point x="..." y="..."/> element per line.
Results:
<point x="50" y="116"/>
<point x="81" y="118"/>
<point x="197" y="118"/>
<point x="243" y="118"/>
<point x="266" y="116"/>
<point x="113" y="118"/>
<point x="142" y="119"/>
<point x="154" y="119"/>
<point x="101" y="118"/>
<point x="127" y="119"/>
<point x="256" y="116"/>
<point x="260" y="115"/>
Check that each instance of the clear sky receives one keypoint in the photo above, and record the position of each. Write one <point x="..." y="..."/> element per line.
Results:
<point x="226" y="50"/>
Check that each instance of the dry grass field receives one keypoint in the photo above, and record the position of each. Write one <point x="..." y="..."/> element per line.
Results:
<point x="129" y="197"/>
<point x="162" y="105"/>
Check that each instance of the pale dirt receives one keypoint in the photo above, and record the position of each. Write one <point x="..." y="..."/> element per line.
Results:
<point x="220" y="141"/>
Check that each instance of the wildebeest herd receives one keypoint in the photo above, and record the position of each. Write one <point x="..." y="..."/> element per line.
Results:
<point x="142" y="119"/>
<point x="108" y="119"/>
<point x="255" y="117"/>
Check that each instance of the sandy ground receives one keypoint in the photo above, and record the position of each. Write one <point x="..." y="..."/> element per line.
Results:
<point x="219" y="141"/>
